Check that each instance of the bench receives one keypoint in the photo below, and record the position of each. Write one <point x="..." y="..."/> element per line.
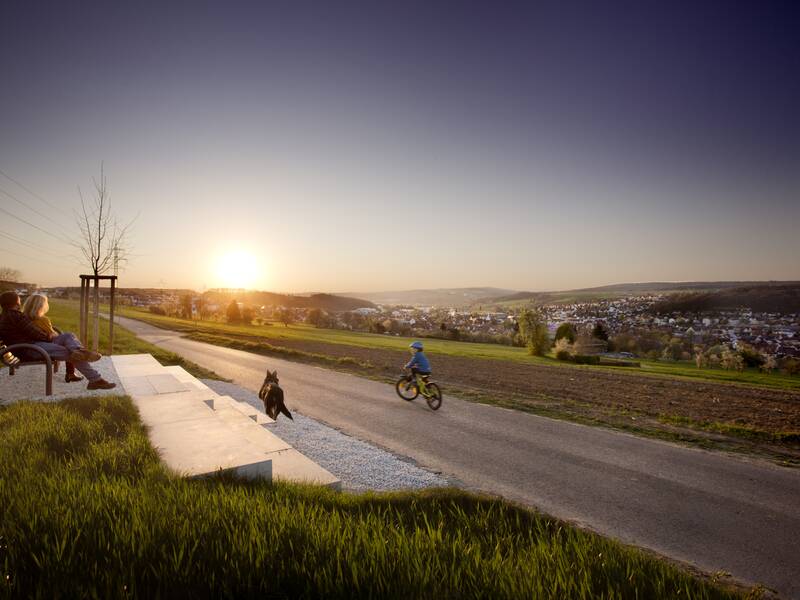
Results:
<point x="13" y="362"/>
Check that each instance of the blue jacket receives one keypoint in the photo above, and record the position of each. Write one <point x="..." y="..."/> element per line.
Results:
<point x="420" y="361"/>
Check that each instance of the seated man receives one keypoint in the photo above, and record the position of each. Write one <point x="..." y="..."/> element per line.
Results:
<point x="17" y="328"/>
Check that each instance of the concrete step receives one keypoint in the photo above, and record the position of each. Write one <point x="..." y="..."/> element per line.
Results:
<point x="256" y="434"/>
<point x="199" y="432"/>
<point x="154" y="383"/>
<point x="184" y="376"/>
<point x="193" y="441"/>
<point x="243" y="407"/>
<point x="287" y="463"/>
<point x="291" y="465"/>
<point x="131" y="365"/>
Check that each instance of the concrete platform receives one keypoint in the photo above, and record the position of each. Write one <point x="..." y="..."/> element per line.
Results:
<point x="28" y="384"/>
<point x="199" y="432"/>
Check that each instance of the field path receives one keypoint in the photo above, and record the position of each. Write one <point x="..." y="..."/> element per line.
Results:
<point x="718" y="512"/>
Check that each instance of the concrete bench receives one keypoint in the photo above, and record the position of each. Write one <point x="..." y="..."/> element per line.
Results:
<point x="14" y="362"/>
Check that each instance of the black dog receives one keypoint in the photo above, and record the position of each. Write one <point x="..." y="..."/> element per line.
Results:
<point x="271" y="395"/>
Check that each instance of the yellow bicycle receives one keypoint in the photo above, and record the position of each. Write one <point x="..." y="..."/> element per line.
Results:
<point x="410" y="386"/>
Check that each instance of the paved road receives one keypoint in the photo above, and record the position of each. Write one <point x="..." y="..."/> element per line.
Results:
<point x="717" y="512"/>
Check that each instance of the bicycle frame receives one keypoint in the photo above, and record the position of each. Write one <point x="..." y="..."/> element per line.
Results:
<point x="423" y="388"/>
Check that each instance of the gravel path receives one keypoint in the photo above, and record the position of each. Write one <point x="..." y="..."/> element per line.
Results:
<point x="360" y="466"/>
<point x="28" y="384"/>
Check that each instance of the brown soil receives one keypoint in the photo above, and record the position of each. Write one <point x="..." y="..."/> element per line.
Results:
<point x="607" y="392"/>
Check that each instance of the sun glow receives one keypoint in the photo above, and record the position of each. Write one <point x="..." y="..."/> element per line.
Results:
<point x="237" y="269"/>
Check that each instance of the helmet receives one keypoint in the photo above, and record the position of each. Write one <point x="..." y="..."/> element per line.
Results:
<point x="415" y="345"/>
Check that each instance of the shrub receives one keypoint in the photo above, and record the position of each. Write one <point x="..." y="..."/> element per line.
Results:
<point x="233" y="313"/>
<point x="770" y="363"/>
<point x="533" y="331"/>
<point x="563" y="349"/>
<point x="586" y="359"/>
<point x="750" y="356"/>
<point x="565" y="331"/>
<point x="731" y="360"/>
<point x="790" y="366"/>
<point x="600" y="331"/>
<point x="157" y="310"/>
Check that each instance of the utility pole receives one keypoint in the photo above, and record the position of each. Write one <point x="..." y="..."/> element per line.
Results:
<point x="116" y="260"/>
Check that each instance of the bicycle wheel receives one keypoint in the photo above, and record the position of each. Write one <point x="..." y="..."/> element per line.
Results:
<point x="406" y="389"/>
<point x="434" y="397"/>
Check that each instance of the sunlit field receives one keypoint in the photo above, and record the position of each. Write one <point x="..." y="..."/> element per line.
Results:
<point x="275" y="332"/>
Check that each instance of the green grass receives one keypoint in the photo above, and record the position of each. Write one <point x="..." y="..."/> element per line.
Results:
<point x="735" y="429"/>
<point x="64" y="315"/>
<point x="89" y="511"/>
<point x="275" y="333"/>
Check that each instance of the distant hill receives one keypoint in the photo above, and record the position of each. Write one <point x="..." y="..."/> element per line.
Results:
<point x="770" y="298"/>
<point x="16" y="285"/>
<point x="620" y="290"/>
<point x="679" y="286"/>
<point x="329" y="302"/>
<point x="455" y="297"/>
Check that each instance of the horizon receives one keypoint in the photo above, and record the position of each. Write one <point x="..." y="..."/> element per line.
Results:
<point x="764" y="283"/>
<point x="541" y="147"/>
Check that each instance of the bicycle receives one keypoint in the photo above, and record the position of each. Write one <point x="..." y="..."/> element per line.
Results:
<point x="408" y="388"/>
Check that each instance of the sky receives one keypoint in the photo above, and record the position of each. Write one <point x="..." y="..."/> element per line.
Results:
<point x="319" y="146"/>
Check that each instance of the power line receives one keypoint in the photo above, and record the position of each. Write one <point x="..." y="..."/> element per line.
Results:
<point x="51" y="234"/>
<point x="36" y="247"/>
<point x="29" y="207"/>
<point x="34" y="194"/>
<point x="7" y="251"/>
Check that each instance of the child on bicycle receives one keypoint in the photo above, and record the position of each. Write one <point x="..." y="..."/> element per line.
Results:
<point x="419" y="363"/>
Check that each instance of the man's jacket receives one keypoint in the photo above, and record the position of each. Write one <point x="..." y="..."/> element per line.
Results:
<point x="17" y="328"/>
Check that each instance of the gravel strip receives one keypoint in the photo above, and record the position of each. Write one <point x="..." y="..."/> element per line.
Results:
<point x="360" y="466"/>
<point x="28" y="383"/>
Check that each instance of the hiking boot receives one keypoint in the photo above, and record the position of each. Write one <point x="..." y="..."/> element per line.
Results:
<point x="84" y="355"/>
<point x="71" y="377"/>
<point x="100" y="384"/>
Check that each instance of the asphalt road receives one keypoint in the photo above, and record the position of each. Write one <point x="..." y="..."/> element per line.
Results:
<point x="717" y="512"/>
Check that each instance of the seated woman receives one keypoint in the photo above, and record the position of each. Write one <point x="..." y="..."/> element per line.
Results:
<point x="35" y="308"/>
<point x="17" y="328"/>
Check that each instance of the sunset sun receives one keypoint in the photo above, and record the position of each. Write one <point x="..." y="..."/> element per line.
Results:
<point x="237" y="269"/>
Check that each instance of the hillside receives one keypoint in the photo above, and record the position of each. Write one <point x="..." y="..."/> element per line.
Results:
<point x="16" y="285"/>
<point x="329" y="302"/>
<point x="759" y="298"/>
<point x="456" y="297"/>
<point x="619" y="290"/>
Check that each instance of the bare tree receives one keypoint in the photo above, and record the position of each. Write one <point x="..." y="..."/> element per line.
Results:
<point x="103" y="241"/>
<point x="9" y="274"/>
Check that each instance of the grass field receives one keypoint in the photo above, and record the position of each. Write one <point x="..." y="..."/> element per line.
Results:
<point x="277" y="332"/>
<point x="89" y="511"/>
<point x="64" y="315"/>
